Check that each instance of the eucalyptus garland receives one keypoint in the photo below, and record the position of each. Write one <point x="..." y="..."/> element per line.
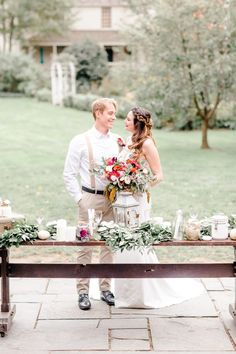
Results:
<point x="232" y="221"/>
<point x="20" y="233"/>
<point x="121" y="238"/>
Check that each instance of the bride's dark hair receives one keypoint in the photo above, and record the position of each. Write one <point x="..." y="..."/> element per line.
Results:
<point x="142" y="126"/>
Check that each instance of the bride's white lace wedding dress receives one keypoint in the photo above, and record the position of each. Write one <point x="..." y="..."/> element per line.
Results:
<point x="154" y="292"/>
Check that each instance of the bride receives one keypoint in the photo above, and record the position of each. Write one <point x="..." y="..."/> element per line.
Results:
<point x="147" y="293"/>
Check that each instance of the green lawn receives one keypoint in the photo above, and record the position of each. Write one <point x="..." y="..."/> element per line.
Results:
<point x="34" y="139"/>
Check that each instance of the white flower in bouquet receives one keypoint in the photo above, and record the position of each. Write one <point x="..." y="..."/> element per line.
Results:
<point x="127" y="179"/>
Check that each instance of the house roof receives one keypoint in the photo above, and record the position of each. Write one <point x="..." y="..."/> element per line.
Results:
<point x="104" y="37"/>
<point x="96" y="3"/>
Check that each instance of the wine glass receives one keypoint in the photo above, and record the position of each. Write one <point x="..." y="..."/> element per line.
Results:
<point x="39" y="222"/>
<point x="193" y="213"/>
<point x="97" y="217"/>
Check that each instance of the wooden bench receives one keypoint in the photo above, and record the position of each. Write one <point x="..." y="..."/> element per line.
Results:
<point x="68" y="270"/>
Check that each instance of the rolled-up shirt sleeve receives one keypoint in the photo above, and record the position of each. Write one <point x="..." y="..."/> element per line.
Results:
<point x="71" y="168"/>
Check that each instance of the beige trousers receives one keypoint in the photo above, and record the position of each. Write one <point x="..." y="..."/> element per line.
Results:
<point x="97" y="202"/>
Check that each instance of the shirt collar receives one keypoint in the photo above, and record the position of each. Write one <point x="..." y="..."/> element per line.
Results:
<point x="98" y="134"/>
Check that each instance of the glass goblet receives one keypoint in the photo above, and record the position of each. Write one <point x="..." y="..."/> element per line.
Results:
<point x="193" y="213"/>
<point x="97" y="217"/>
<point x="39" y="222"/>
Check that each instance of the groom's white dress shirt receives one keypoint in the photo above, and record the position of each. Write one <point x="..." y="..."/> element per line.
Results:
<point x="77" y="160"/>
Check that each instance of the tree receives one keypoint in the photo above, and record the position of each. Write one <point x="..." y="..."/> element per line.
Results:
<point x="22" y="19"/>
<point x="188" y="54"/>
<point x="90" y="62"/>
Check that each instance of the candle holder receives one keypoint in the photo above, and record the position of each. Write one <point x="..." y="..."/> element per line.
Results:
<point x="126" y="210"/>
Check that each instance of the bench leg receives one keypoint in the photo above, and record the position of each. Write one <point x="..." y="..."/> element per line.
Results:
<point x="232" y="307"/>
<point x="7" y="311"/>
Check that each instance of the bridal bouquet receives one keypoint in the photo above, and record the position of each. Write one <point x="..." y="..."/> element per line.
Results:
<point x="128" y="175"/>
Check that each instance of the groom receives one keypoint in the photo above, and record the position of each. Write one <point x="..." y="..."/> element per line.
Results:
<point x="85" y="150"/>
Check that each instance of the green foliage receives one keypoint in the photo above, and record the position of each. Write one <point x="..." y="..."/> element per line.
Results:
<point x="120" y="81"/>
<point x="232" y="221"/>
<point x="124" y="106"/>
<point x="20" y="73"/>
<point x="190" y="57"/>
<point x="120" y="238"/>
<point x="20" y="20"/>
<point x="52" y="229"/>
<point x="91" y="64"/>
<point x="19" y="234"/>
<point x="44" y="95"/>
<point x="205" y="229"/>
<point x="81" y="102"/>
<point x="23" y="232"/>
<point x="226" y="115"/>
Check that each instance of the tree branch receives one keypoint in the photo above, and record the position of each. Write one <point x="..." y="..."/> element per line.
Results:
<point x="212" y="111"/>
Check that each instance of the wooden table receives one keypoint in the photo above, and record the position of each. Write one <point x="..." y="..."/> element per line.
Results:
<point x="171" y="270"/>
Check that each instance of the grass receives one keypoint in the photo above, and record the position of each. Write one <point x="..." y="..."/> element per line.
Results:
<point x="34" y="140"/>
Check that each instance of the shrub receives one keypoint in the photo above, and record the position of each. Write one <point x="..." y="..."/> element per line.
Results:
<point x="90" y="62"/>
<point x="81" y="102"/>
<point x="120" y="81"/>
<point x="19" y="73"/>
<point x="44" y="95"/>
<point x="124" y="106"/>
<point x="226" y="115"/>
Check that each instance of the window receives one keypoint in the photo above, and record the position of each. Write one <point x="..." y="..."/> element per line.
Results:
<point x="106" y="17"/>
<point x="41" y="55"/>
<point x="110" y="53"/>
<point x="60" y="49"/>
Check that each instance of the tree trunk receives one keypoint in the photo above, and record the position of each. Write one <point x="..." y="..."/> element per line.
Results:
<point x="11" y="33"/>
<point x="204" y="134"/>
<point x="4" y="43"/>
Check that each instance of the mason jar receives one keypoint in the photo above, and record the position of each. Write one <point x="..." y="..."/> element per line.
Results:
<point x="219" y="227"/>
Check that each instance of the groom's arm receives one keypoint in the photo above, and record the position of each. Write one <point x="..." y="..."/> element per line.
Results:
<point x="72" y="168"/>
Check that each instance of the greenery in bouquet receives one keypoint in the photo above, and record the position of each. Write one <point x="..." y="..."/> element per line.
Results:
<point x="121" y="238"/>
<point x="129" y="175"/>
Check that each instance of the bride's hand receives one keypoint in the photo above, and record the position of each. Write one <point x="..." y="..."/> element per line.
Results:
<point x="154" y="181"/>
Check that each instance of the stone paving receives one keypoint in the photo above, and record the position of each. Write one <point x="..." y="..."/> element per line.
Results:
<point x="48" y="320"/>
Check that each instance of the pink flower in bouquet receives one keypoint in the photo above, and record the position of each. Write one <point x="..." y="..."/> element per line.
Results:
<point x="111" y="161"/>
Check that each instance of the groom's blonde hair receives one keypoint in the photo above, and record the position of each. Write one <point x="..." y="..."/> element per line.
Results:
<point x="100" y="105"/>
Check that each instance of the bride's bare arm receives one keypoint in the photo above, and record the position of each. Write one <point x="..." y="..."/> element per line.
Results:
<point x="152" y="156"/>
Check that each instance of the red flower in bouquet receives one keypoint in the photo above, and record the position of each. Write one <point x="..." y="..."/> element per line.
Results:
<point x="130" y="175"/>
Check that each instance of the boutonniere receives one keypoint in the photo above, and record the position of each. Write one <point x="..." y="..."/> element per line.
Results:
<point x="121" y="142"/>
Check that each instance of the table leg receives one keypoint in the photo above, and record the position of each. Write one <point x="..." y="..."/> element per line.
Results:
<point x="7" y="311"/>
<point x="232" y="307"/>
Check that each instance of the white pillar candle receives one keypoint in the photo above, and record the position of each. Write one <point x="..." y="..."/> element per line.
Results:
<point x="70" y="233"/>
<point x="61" y="229"/>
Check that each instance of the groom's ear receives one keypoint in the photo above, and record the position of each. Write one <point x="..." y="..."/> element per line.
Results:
<point x="96" y="115"/>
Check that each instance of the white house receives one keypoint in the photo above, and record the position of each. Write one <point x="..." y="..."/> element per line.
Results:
<point x="98" y="20"/>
